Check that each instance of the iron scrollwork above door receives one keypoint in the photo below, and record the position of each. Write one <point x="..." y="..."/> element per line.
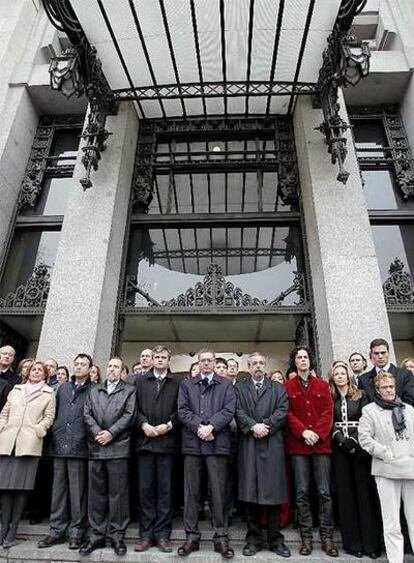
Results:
<point x="213" y="293"/>
<point x="399" y="288"/>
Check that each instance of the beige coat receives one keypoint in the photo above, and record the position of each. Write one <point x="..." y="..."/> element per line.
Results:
<point x="391" y="458"/>
<point x="24" y="422"/>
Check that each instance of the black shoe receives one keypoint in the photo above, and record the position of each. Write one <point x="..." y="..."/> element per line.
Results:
<point x="90" y="546"/>
<point x="251" y="549"/>
<point x="164" y="545"/>
<point x="74" y="543"/>
<point x="281" y="549"/>
<point x="223" y="547"/>
<point x="48" y="541"/>
<point x="306" y="547"/>
<point x="374" y="555"/>
<point x="188" y="547"/>
<point x="119" y="547"/>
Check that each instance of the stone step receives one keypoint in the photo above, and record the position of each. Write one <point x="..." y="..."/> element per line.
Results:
<point x="26" y="551"/>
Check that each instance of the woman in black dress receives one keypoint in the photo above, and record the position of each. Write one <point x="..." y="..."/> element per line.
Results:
<point x="358" y="509"/>
<point x="24" y="422"/>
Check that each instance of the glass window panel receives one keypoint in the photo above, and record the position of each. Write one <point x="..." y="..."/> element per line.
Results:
<point x="217" y="193"/>
<point x="250" y="199"/>
<point x="369" y="134"/>
<point x="65" y="145"/>
<point x="198" y="148"/>
<point x="200" y="193"/>
<point x="28" y="249"/>
<point x="269" y="190"/>
<point x="234" y="191"/>
<point x="381" y="191"/>
<point x="53" y="197"/>
<point x="250" y="272"/>
<point x="183" y="192"/>
<point x="236" y="149"/>
<point x="391" y="242"/>
<point x="180" y="148"/>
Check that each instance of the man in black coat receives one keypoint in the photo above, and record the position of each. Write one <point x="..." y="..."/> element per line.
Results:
<point x="206" y="406"/>
<point x="261" y="411"/>
<point x="404" y="380"/>
<point x="156" y="443"/>
<point x="69" y="449"/>
<point x="109" y="415"/>
<point x="7" y="355"/>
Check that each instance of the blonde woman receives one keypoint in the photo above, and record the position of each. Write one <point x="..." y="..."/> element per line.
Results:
<point x="386" y="431"/>
<point x="357" y="506"/>
<point x="24" y="422"/>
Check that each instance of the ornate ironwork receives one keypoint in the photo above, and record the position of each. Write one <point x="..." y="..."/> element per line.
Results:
<point x="214" y="292"/>
<point x="40" y="162"/>
<point x="345" y="61"/>
<point x="79" y="71"/>
<point x="399" y="287"/>
<point x="31" y="295"/>
<point x="397" y="154"/>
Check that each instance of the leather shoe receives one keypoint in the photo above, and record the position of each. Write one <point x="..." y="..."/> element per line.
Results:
<point x="251" y="549"/>
<point x="188" y="547"/>
<point x="223" y="547"/>
<point x="307" y="547"/>
<point x="281" y="549"/>
<point x="143" y="544"/>
<point x="74" y="543"/>
<point x="164" y="545"/>
<point x="330" y="548"/>
<point x="119" y="547"/>
<point x="48" y="541"/>
<point x="90" y="546"/>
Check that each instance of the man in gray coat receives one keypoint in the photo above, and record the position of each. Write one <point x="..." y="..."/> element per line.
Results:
<point x="261" y="412"/>
<point x="109" y="415"/>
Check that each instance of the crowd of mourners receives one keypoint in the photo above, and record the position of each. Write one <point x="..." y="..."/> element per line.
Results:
<point x="277" y="447"/>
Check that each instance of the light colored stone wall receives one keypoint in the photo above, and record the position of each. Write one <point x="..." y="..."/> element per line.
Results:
<point x="347" y="290"/>
<point x="80" y="312"/>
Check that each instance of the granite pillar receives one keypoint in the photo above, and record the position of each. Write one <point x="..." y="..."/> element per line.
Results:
<point x="81" y="308"/>
<point x="347" y="291"/>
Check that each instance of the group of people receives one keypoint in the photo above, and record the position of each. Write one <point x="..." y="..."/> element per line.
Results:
<point x="258" y="440"/>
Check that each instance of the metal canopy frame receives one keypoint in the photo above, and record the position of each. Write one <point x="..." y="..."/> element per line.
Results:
<point x="78" y="71"/>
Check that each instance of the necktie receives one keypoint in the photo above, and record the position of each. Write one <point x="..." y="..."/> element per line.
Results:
<point x="204" y="381"/>
<point x="159" y="381"/>
<point x="258" y="387"/>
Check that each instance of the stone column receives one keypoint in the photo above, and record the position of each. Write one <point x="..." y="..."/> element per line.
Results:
<point x="19" y="117"/>
<point x="349" y="305"/>
<point x="80" y="311"/>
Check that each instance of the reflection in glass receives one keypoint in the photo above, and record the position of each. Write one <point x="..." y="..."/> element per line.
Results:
<point x="381" y="191"/>
<point x="394" y="241"/>
<point x="28" y="249"/>
<point x="261" y="261"/>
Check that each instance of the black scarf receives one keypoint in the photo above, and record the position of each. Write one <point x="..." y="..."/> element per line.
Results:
<point x="397" y="407"/>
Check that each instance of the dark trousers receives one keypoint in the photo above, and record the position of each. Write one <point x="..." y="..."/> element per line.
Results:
<point x="13" y="503"/>
<point x="253" y="513"/>
<point x="216" y="466"/>
<point x="69" y="497"/>
<point x="320" y="465"/>
<point x="155" y="495"/>
<point x="108" y="501"/>
<point x="358" y="509"/>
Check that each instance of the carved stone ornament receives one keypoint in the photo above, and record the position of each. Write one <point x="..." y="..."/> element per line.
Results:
<point x="214" y="292"/>
<point x="65" y="74"/>
<point x="399" y="287"/>
<point x="33" y="294"/>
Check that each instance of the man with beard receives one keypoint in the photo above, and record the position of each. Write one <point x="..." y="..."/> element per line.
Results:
<point x="261" y="413"/>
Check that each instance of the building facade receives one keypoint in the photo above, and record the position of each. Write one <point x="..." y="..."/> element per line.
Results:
<point x="214" y="215"/>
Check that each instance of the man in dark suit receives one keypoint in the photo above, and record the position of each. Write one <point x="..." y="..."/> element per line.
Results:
<point x="379" y="356"/>
<point x="156" y="444"/>
<point x="261" y="412"/>
<point x="7" y="355"/>
<point x="206" y="406"/>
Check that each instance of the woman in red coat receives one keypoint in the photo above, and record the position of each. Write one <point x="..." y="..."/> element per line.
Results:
<point x="309" y="421"/>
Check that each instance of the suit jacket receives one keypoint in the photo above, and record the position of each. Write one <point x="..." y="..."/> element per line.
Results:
<point x="310" y="409"/>
<point x="404" y="384"/>
<point x="262" y="472"/>
<point x="214" y="404"/>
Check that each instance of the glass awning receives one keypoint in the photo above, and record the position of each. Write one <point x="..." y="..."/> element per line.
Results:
<point x="163" y="50"/>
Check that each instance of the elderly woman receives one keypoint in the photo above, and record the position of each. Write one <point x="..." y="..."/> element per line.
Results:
<point x="24" y="421"/>
<point x="386" y="431"/>
<point x="357" y="504"/>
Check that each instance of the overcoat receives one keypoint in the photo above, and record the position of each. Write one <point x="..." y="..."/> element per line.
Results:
<point x="310" y="409"/>
<point x="214" y="405"/>
<point x="262" y="471"/>
<point x="25" y="421"/>
<point x="404" y="383"/>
